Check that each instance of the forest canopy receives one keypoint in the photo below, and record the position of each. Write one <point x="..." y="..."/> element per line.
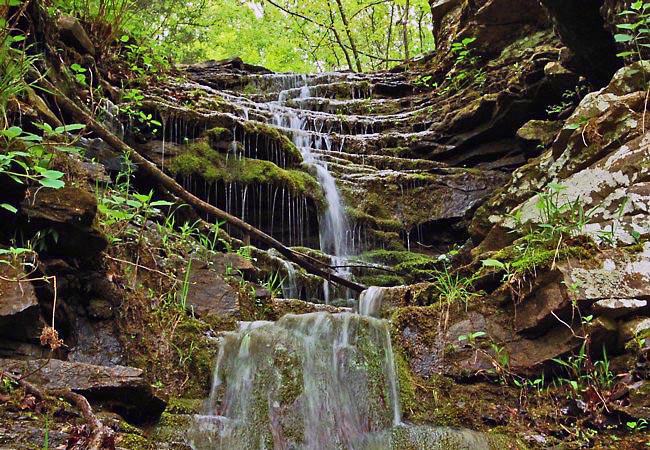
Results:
<point x="282" y="35"/>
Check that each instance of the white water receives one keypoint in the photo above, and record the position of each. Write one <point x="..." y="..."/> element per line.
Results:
<point x="370" y="301"/>
<point x="314" y="382"/>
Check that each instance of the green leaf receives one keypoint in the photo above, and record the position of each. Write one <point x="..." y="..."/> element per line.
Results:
<point x="125" y="38"/>
<point x="557" y="187"/>
<point x="51" y="183"/>
<point x="12" y="132"/>
<point x="623" y="38"/>
<point x="161" y="203"/>
<point x="493" y="263"/>
<point x="52" y="174"/>
<point x="9" y="207"/>
<point x="69" y="128"/>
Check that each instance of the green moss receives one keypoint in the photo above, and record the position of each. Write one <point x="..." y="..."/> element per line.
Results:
<point x="218" y="135"/>
<point x="382" y="280"/>
<point x="200" y="159"/>
<point x="412" y="266"/>
<point x="408" y="400"/>
<point x="184" y="406"/>
<point x="272" y="134"/>
<point x="134" y="442"/>
<point x="528" y="259"/>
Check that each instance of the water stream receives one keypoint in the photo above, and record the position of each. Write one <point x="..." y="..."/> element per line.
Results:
<point x="315" y="381"/>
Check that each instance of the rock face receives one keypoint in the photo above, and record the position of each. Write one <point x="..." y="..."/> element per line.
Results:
<point x="582" y="29"/>
<point x="69" y="213"/>
<point x="20" y="324"/>
<point x="209" y="295"/>
<point x="495" y="23"/>
<point x="601" y="156"/>
<point x="121" y="389"/>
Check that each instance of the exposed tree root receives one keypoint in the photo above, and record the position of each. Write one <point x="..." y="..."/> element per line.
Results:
<point x="101" y="436"/>
<point x="148" y="168"/>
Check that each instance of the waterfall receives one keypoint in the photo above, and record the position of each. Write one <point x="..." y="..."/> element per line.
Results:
<point x="370" y="301"/>
<point x="334" y="224"/>
<point x="315" y="382"/>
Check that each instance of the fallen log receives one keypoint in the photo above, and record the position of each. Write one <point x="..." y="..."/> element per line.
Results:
<point x="151" y="170"/>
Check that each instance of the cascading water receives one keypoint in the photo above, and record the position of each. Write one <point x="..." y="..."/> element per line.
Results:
<point x="315" y="382"/>
<point x="334" y="226"/>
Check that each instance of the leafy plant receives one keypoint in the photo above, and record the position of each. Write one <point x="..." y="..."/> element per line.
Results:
<point x="274" y="284"/>
<point x="131" y="108"/>
<point x="472" y="338"/>
<point x="79" y="73"/>
<point x="453" y="287"/>
<point x="466" y="71"/>
<point x="584" y="374"/>
<point x="636" y="32"/>
<point x="16" y="63"/>
<point x="27" y="156"/>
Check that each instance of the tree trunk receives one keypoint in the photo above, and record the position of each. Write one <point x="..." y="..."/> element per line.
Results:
<point x="405" y="30"/>
<point x="348" y="32"/>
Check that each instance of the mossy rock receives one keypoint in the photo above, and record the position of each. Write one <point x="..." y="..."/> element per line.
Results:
<point x="202" y="160"/>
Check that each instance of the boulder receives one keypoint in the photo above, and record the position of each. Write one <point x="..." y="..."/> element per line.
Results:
<point x="619" y="307"/>
<point x="19" y="310"/>
<point x="613" y="274"/>
<point x="602" y="158"/>
<point x="539" y="132"/>
<point x="72" y="33"/>
<point x="68" y="213"/>
<point x="120" y="389"/>
<point x="233" y="263"/>
<point x="209" y="294"/>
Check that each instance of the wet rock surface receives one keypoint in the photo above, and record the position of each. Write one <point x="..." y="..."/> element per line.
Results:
<point x="121" y="389"/>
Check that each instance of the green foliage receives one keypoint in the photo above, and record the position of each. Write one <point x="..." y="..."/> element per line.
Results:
<point x="16" y="63"/>
<point x="274" y="284"/>
<point x="141" y="122"/>
<point x="79" y="73"/>
<point x="26" y="157"/>
<point x="452" y="287"/>
<point x="635" y="33"/>
<point x="583" y="374"/>
<point x="119" y="207"/>
<point x="466" y="71"/>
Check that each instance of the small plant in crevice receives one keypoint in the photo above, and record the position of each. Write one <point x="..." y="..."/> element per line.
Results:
<point x="591" y="381"/>
<point x="466" y="71"/>
<point x="635" y="31"/>
<point x="274" y="284"/>
<point x="141" y="122"/>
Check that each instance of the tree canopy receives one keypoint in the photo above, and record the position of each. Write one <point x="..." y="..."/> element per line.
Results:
<point x="283" y="35"/>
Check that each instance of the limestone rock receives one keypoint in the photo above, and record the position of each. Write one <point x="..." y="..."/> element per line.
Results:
<point x="582" y="29"/>
<point x="68" y="205"/>
<point x="602" y="158"/>
<point x="619" y="307"/>
<point x="233" y="263"/>
<point x="70" y="213"/>
<point x="19" y="310"/>
<point x="634" y="327"/>
<point x="209" y="294"/>
<point x="615" y="274"/>
<point x="539" y="132"/>
<point x="74" y="34"/>
<point x="121" y="389"/>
